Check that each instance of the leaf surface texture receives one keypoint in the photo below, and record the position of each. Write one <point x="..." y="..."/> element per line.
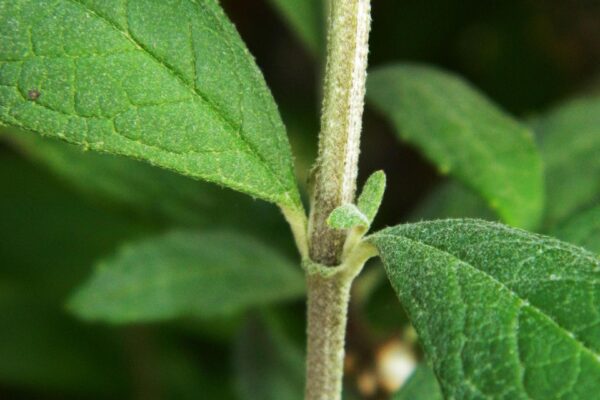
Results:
<point x="169" y="82"/>
<point x="502" y="313"/>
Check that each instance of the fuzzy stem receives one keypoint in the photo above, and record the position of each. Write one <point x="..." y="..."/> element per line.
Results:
<point x="327" y="313"/>
<point x="349" y="22"/>
<point x="328" y="298"/>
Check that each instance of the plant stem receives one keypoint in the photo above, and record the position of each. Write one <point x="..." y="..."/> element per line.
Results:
<point x="328" y="298"/>
<point x="328" y="283"/>
<point x="341" y="123"/>
<point x="327" y="313"/>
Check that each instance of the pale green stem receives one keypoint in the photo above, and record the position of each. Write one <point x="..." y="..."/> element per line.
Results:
<point x="328" y="297"/>
<point x="341" y="123"/>
<point x="328" y="283"/>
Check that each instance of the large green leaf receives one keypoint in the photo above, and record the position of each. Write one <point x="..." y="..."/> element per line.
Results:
<point x="582" y="228"/>
<point x="450" y="199"/>
<point x="166" y="81"/>
<point x="465" y="135"/>
<point x="268" y="365"/>
<point x="186" y="273"/>
<point x="422" y="385"/>
<point x="501" y="313"/>
<point x="569" y="139"/>
<point x="307" y="20"/>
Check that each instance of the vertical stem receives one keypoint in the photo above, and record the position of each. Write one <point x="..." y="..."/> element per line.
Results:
<point x="328" y="283"/>
<point x="327" y="313"/>
<point x="328" y="298"/>
<point x="341" y="123"/>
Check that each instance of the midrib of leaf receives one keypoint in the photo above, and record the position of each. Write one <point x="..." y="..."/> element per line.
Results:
<point x="521" y="302"/>
<point x="249" y="148"/>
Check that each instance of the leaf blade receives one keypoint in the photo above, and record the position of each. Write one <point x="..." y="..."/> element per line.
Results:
<point x="185" y="273"/>
<point x="464" y="134"/>
<point x="307" y="20"/>
<point x="145" y="71"/>
<point x="502" y="313"/>
<point x="582" y="229"/>
<point x="371" y="196"/>
<point x="569" y="140"/>
<point x="347" y="216"/>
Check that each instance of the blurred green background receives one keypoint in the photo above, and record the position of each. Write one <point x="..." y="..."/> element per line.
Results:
<point x="525" y="55"/>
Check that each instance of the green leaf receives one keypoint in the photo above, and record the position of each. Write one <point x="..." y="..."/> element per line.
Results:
<point x="49" y="237"/>
<point x="466" y="135"/>
<point x="307" y="20"/>
<point x="347" y="216"/>
<point x="268" y="365"/>
<point x="372" y="195"/>
<point x="569" y="139"/>
<point x="450" y="199"/>
<point x="582" y="229"/>
<point x="169" y="82"/>
<point x="186" y="273"/>
<point x="501" y="313"/>
<point x="422" y="385"/>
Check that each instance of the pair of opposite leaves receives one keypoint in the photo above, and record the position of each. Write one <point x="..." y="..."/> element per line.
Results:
<point x="123" y="79"/>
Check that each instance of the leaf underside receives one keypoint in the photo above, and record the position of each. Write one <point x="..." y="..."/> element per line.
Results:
<point x="502" y="313"/>
<point x="187" y="274"/>
<point x="169" y="82"/>
<point x="467" y="136"/>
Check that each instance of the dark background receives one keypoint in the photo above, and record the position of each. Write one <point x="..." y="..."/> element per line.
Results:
<point x="525" y="55"/>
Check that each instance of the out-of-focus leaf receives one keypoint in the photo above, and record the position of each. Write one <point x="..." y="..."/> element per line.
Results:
<point x="48" y="237"/>
<point x="466" y="135"/>
<point x="582" y="228"/>
<point x="452" y="200"/>
<point x="422" y="385"/>
<point x="155" y="194"/>
<point x="306" y="19"/>
<point x="184" y="274"/>
<point x="501" y="312"/>
<point x="268" y="365"/>
<point x="168" y="82"/>
<point x="569" y="139"/>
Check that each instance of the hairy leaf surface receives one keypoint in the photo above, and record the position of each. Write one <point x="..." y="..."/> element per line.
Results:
<point x="183" y="274"/>
<point x="502" y="313"/>
<point x="347" y="216"/>
<point x="465" y="135"/>
<point x="169" y="82"/>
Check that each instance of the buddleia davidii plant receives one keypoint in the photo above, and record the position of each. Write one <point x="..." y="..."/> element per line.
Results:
<point x="501" y="313"/>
